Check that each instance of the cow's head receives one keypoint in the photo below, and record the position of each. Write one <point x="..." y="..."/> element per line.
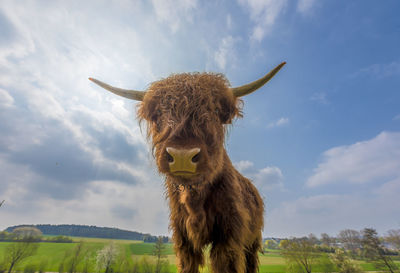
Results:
<point x="186" y="115"/>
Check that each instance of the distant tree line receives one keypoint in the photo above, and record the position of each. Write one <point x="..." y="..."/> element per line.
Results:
<point x="63" y="231"/>
<point x="155" y="239"/>
<point x="91" y="231"/>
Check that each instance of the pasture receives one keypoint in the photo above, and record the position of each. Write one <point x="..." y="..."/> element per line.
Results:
<point x="52" y="254"/>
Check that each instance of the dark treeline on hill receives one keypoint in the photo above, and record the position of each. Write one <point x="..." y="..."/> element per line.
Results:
<point x="91" y="231"/>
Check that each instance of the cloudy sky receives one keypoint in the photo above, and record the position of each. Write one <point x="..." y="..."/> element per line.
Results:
<point x="321" y="141"/>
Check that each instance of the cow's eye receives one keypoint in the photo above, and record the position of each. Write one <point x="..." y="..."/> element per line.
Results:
<point x="155" y="116"/>
<point x="227" y="111"/>
<point x="158" y="124"/>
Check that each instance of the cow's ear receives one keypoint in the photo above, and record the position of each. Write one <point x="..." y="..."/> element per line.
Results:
<point x="149" y="111"/>
<point x="228" y="110"/>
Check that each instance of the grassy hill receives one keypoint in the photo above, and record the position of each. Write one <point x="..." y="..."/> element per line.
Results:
<point x="52" y="254"/>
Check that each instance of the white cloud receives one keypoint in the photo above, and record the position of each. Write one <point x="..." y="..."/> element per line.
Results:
<point x="173" y="12"/>
<point x="305" y="6"/>
<point x="268" y="178"/>
<point x="397" y="117"/>
<point x="391" y="188"/>
<point x="279" y="123"/>
<point x="263" y="13"/>
<point x="229" y="21"/>
<point x="319" y="97"/>
<point x="331" y="213"/>
<point x="225" y="52"/>
<point x="6" y="99"/>
<point x="141" y="208"/>
<point x="65" y="139"/>
<point x="380" y="71"/>
<point x="148" y="206"/>
<point x="64" y="132"/>
<point x="243" y="165"/>
<point x="17" y="177"/>
<point x="363" y="162"/>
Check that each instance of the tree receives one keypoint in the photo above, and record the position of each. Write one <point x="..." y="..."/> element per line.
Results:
<point x="313" y="239"/>
<point x="325" y="264"/>
<point x="87" y="263"/>
<point x="350" y="239"/>
<point x="74" y="257"/>
<point x="300" y="254"/>
<point x="283" y="244"/>
<point x="270" y="244"/>
<point x="146" y="265"/>
<point x="5" y="236"/>
<point x="22" y="233"/>
<point x="326" y="240"/>
<point x="393" y="238"/>
<point x="61" y="267"/>
<point x="343" y="263"/>
<point x="106" y="257"/>
<point x="123" y="264"/>
<point x="374" y="251"/>
<point x="18" y="251"/>
<point x="135" y="267"/>
<point x="42" y="266"/>
<point x="30" y="268"/>
<point x="158" y="251"/>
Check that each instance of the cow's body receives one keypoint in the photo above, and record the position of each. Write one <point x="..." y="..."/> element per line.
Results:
<point x="211" y="203"/>
<point x="227" y="213"/>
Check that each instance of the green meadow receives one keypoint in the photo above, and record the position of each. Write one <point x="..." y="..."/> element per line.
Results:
<point x="53" y="253"/>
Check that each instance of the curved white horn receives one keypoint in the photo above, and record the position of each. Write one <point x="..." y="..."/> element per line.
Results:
<point x="253" y="86"/>
<point x="130" y="94"/>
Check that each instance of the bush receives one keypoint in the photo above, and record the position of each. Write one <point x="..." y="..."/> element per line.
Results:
<point x="146" y="265"/>
<point x="42" y="266"/>
<point x="61" y="267"/>
<point x="325" y="264"/>
<point x="344" y="264"/>
<point x="87" y="263"/>
<point x="2" y="267"/>
<point x="326" y="249"/>
<point x="30" y="268"/>
<point x="60" y="239"/>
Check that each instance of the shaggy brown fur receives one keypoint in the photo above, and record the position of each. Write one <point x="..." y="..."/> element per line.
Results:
<point x="218" y="206"/>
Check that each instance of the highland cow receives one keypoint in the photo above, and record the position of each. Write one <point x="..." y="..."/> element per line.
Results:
<point x="211" y="203"/>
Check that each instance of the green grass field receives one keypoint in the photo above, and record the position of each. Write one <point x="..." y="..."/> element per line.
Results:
<point x="53" y="254"/>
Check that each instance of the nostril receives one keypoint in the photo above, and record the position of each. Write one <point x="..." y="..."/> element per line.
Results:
<point x="170" y="159"/>
<point x="196" y="158"/>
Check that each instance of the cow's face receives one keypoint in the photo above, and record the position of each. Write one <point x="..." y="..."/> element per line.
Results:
<point x="187" y="115"/>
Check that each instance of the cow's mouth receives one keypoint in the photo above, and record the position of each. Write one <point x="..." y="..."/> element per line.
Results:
<point x="184" y="174"/>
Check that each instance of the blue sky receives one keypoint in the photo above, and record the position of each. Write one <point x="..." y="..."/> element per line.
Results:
<point x="321" y="141"/>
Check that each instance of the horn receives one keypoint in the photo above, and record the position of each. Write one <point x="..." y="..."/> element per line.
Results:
<point x="253" y="86"/>
<point x="130" y="94"/>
